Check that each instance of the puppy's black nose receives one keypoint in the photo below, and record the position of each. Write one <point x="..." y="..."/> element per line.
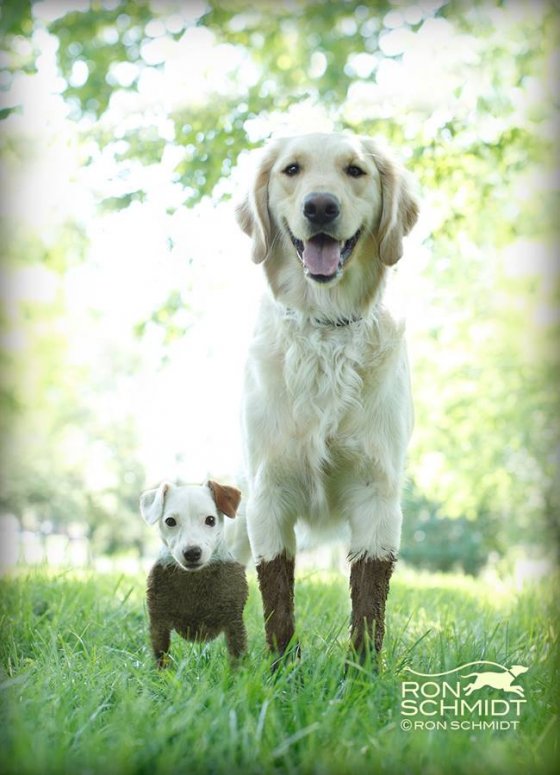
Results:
<point x="192" y="554"/>
<point x="321" y="208"/>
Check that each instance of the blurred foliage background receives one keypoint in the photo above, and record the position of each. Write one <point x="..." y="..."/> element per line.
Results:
<point x="118" y="114"/>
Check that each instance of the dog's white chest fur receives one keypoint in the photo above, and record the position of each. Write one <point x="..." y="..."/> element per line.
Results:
<point x="322" y="369"/>
<point x="310" y="412"/>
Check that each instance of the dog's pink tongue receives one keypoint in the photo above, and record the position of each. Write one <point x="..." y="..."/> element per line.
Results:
<point x="321" y="255"/>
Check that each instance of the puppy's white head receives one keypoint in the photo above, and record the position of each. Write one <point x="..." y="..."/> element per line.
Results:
<point x="190" y="519"/>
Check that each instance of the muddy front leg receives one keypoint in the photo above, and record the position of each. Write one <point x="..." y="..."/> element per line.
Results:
<point x="369" y="587"/>
<point x="276" y="582"/>
<point x="236" y="639"/>
<point x="273" y="544"/>
<point x="160" y="636"/>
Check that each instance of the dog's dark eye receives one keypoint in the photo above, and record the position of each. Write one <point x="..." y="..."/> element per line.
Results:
<point x="210" y="521"/>
<point x="170" y="522"/>
<point x="291" y="170"/>
<point x="354" y="171"/>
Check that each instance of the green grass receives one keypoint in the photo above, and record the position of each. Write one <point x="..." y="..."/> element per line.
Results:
<point x="80" y="693"/>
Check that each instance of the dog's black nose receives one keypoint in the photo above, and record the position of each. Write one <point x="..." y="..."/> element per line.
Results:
<point x="321" y="208"/>
<point x="192" y="554"/>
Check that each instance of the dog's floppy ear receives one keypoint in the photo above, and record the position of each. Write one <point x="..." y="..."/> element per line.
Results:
<point x="252" y="213"/>
<point x="151" y="503"/>
<point x="226" y="498"/>
<point x="399" y="209"/>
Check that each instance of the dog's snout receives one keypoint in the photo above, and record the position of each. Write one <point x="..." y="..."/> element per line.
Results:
<point x="192" y="554"/>
<point x="321" y="209"/>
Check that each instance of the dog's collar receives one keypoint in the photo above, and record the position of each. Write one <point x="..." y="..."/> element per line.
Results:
<point x="292" y="314"/>
<point x="338" y="323"/>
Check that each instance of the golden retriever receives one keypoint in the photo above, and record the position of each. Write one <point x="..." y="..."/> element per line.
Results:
<point x="327" y="412"/>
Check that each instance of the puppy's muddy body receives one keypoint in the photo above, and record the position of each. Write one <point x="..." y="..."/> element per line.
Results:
<point x="196" y="587"/>
<point x="199" y="606"/>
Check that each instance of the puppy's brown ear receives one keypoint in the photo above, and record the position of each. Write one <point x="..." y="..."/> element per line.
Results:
<point x="399" y="209"/>
<point x="226" y="498"/>
<point x="152" y="502"/>
<point x="252" y="213"/>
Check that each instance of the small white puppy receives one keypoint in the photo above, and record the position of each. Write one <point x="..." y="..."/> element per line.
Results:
<point x="195" y="588"/>
<point x="190" y="519"/>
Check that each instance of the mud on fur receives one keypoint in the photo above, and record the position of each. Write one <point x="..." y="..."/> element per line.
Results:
<point x="196" y="587"/>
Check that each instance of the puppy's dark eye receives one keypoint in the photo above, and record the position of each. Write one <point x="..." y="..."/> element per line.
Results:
<point x="354" y="171"/>
<point x="210" y="521"/>
<point x="291" y="170"/>
<point x="170" y="522"/>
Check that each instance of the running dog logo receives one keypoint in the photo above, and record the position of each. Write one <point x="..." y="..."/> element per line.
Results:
<point x="502" y="680"/>
<point x="453" y="700"/>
